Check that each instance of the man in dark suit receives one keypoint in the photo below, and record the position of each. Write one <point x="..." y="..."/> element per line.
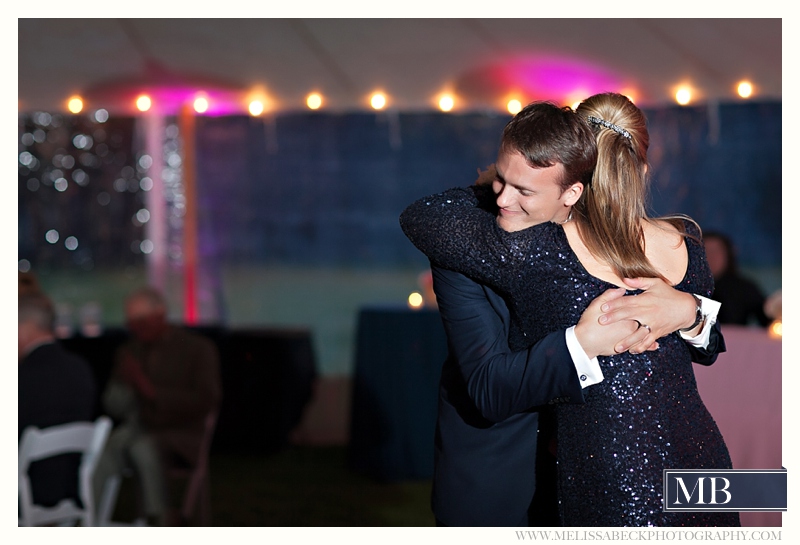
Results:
<point x="55" y="387"/>
<point x="490" y="398"/>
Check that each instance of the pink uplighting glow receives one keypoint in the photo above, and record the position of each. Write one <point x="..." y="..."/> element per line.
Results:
<point x="170" y="100"/>
<point x="169" y="93"/>
<point x="539" y="78"/>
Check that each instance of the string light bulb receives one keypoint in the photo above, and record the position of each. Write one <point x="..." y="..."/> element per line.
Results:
<point x="256" y="108"/>
<point x="744" y="89"/>
<point x="200" y="105"/>
<point x="446" y="102"/>
<point x="314" y="101"/>
<point x="630" y="93"/>
<point x="776" y="329"/>
<point x="574" y="98"/>
<point x="415" y="301"/>
<point x="143" y="103"/>
<point x="683" y="96"/>
<point x="75" y="104"/>
<point x="377" y="101"/>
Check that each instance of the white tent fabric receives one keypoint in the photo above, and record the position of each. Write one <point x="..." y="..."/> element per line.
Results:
<point x="412" y="60"/>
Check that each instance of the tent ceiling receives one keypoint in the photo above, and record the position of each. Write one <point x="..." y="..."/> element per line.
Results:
<point x="412" y="60"/>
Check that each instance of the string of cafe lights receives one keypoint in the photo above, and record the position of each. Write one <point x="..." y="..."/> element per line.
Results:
<point x="201" y="102"/>
<point x="380" y="100"/>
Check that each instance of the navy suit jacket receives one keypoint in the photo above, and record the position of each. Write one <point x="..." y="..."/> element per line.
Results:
<point x="486" y="430"/>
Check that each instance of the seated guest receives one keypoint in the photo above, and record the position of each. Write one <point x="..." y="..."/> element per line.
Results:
<point x="742" y="300"/>
<point x="773" y="306"/>
<point x="27" y="284"/>
<point x="55" y="387"/>
<point x="165" y="380"/>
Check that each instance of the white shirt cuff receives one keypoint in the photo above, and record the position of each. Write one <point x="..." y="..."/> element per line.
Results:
<point x="588" y="370"/>
<point x="710" y="309"/>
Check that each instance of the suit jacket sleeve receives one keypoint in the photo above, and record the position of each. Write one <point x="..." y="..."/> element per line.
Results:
<point x="500" y="382"/>
<point x="716" y="346"/>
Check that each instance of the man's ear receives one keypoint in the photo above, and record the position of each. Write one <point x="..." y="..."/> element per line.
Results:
<point x="573" y="193"/>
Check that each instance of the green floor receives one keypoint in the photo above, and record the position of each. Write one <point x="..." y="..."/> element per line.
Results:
<point x="303" y="486"/>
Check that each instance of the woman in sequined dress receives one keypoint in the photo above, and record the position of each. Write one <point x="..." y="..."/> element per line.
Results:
<point x="646" y="415"/>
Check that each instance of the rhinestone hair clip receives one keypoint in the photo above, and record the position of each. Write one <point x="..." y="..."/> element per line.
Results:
<point x="609" y="125"/>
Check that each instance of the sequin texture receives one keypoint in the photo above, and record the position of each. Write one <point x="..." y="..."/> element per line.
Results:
<point x="644" y="417"/>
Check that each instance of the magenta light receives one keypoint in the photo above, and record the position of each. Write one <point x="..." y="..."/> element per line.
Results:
<point x="561" y="77"/>
<point x="169" y="91"/>
<point x="541" y="77"/>
<point x="170" y="100"/>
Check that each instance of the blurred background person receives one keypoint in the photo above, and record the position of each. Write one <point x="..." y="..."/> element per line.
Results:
<point x="165" y="381"/>
<point x="28" y="283"/>
<point x="742" y="300"/>
<point x="773" y="306"/>
<point x="55" y="387"/>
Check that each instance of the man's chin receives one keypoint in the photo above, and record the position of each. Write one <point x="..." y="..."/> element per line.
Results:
<point x="508" y="225"/>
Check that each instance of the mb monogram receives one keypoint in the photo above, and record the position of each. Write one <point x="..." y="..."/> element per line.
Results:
<point x="725" y="490"/>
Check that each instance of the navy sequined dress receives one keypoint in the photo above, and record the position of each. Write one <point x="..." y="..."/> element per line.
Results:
<point x="645" y="416"/>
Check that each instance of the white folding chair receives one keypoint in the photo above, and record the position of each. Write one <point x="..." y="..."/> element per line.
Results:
<point x="87" y="438"/>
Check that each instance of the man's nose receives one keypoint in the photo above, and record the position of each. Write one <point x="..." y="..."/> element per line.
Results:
<point x="504" y="198"/>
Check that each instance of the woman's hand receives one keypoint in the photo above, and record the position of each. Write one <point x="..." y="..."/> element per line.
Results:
<point x="661" y="309"/>
<point x="486" y="177"/>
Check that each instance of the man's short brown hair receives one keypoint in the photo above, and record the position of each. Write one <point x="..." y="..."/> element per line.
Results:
<point x="546" y="134"/>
